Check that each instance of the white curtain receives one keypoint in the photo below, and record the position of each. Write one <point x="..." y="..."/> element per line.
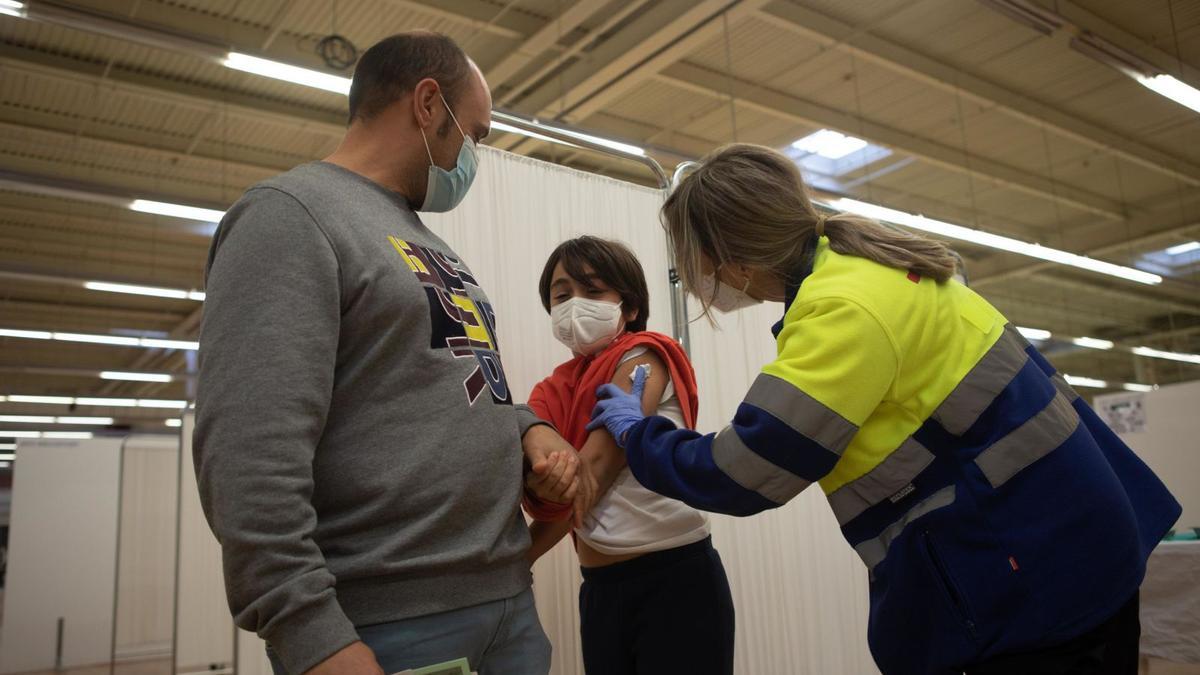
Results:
<point x="799" y="590"/>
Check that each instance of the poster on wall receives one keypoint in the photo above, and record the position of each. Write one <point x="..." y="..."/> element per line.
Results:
<point x="1123" y="414"/>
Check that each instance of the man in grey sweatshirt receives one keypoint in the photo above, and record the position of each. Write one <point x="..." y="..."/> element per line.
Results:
<point x="357" y="448"/>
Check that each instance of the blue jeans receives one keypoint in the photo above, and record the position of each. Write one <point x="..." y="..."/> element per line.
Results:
<point x="503" y="637"/>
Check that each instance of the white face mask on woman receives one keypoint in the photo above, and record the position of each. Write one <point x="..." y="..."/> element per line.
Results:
<point x="727" y="298"/>
<point x="586" y="326"/>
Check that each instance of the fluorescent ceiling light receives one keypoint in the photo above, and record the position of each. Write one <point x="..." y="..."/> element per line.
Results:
<point x="829" y="144"/>
<point x="175" y="293"/>
<point x="1130" y="386"/>
<point x="1033" y="333"/>
<point x="47" y="419"/>
<point x="1180" y="92"/>
<point x="8" y="446"/>
<point x="5" y="463"/>
<point x="30" y="334"/>
<point x="161" y="403"/>
<point x="12" y="8"/>
<point x="84" y="420"/>
<point x="1092" y="343"/>
<point x="287" y="73"/>
<point x="1183" y="248"/>
<point x="918" y="222"/>
<point x="606" y="142"/>
<point x="97" y="339"/>
<point x="1171" y="356"/>
<point x="98" y="401"/>
<point x="57" y="400"/>
<point x="174" y="423"/>
<point x="501" y="126"/>
<point x="20" y="434"/>
<point x="119" y="340"/>
<point x="177" y="210"/>
<point x="80" y="435"/>
<point x="156" y="343"/>
<point x="1085" y="382"/>
<point x="113" y="402"/>
<point x="135" y="377"/>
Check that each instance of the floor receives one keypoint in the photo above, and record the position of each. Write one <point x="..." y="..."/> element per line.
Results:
<point x="1152" y="666"/>
<point x="157" y="667"/>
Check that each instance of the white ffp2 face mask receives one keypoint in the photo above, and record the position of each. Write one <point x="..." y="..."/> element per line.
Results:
<point x="586" y="326"/>
<point x="727" y="298"/>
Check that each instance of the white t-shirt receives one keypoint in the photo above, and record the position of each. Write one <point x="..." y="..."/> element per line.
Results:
<point x="630" y="518"/>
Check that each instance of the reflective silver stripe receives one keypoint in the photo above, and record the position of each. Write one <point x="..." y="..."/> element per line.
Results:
<point x="803" y="413"/>
<point x="1031" y="441"/>
<point x="873" y="551"/>
<point x="748" y="469"/>
<point x="982" y="383"/>
<point x="888" y="478"/>
<point x="1065" y="389"/>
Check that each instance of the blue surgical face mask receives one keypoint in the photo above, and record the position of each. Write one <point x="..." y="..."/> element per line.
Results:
<point x="445" y="189"/>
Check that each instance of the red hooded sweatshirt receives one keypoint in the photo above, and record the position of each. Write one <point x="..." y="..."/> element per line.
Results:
<point x="566" y="398"/>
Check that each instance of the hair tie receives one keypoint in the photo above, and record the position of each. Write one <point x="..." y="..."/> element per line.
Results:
<point x="819" y="228"/>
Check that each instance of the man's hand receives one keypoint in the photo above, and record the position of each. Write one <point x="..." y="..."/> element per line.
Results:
<point x="354" y="659"/>
<point x="556" y="472"/>
<point x="553" y="477"/>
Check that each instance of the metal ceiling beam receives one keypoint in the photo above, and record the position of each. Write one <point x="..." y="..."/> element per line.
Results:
<point x="473" y="14"/>
<point x="628" y="7"/>
<point x="41" y="125"/>
<point x="634" y="59"/>
<point x="27" y="274"/>
<point x="622" y="57"/>
<point x="1088" y="20"/>
<point x="816" y="26"/>
<point x="1147" y="297"/>
<point x="788" y="106"/>
<point x="543" y="39"/>
<point x="150" y="320"/>
<point x="194" y="96"/>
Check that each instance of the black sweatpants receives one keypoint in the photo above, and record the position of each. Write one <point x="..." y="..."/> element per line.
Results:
<point x="1109" y="649"/>
<point x="664" y="612"/>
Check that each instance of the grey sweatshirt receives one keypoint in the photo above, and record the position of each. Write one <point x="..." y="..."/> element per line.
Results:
<point x="354" y="427"/>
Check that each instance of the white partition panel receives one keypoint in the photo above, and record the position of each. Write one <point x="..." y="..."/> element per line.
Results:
<point x="1163" y="428"/>
<point x="204" y="631"/>
<point x="145" y="595"/>
<point x="251" y="654"/>
<point x="62" y="554"/>
<point x="799" y="590"/>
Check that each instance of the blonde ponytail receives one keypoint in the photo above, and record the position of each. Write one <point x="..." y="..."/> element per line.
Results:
<point x="747" y="204"/>
<point x="855" y="235"/>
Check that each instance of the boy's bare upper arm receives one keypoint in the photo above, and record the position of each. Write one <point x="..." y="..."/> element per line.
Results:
<point x="656" y="381"/>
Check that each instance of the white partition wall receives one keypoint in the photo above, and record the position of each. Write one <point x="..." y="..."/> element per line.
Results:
<point x="62" y="554"/>
<point x="800" y="592"/>
<point x="1164" y="430"/>
<point x="204" y="632"/>
<point x="145" y="593"/>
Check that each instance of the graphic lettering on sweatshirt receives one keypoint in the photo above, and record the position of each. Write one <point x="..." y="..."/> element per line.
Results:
<point x="465" y="326"/>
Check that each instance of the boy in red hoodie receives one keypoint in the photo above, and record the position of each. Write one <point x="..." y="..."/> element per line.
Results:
<point x="655" y="597"/>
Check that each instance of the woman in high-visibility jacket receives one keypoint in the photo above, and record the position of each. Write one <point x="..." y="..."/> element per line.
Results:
<point x="1004" y="526"/>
